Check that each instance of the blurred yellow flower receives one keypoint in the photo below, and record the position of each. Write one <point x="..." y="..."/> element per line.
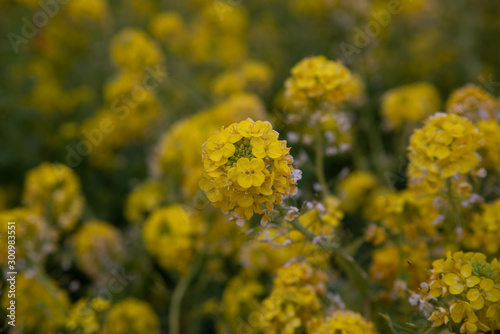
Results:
<point x="131" y="316"/>
<point x="171" y="234"/>
<point x="472" y="102"/>
<point x="410" y="103"/>
<point x="316" y="81"/>
<point x="54" y="190"/>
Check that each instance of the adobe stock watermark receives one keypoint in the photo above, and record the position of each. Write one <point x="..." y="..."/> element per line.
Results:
<point x="362" y="37"/>
<point x="116" y="284"/>
<point x="224" y="6"/>
<point x="31" y="27"/>
<point x="488" y="83"/>
<point x="121" y="108"/>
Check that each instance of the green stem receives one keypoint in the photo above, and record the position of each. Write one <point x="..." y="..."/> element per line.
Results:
<point x="375" y="141"/>
<point x="319" y="161"/>
<point x="178" y="295"/>
<point x="457" y="213"/>
<point x="357" y="275"/>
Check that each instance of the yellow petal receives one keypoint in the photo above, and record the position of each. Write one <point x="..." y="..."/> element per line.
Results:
<point x="493" y="295"/>
<point x="487" y="284"/>
<point x="472" y="281"/>
<point x="228" y="150"/>
<point x="245" y="180"/>
<point x="478" y="304"/>
<point x="257" y="164"/>
<point x="473" y="295"/>
<point x="456" y="289"/>
<point x="243" y="164"/>
<point x="466" y="270"/>
<point x="274" y="150"/>
<point x="216" y="155"/>
<point x="451" y="279"/>
<point x="258" y="179"/>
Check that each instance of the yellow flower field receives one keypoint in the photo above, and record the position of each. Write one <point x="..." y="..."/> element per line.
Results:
<point x="250" y="167"/>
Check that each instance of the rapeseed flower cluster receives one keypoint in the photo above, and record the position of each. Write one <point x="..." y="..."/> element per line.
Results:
<point x="161" y="121"/>
<point x="410" y="103"/>
<point x="247" y="169"/>
<point x="317" y="81"/>
<point x="98" y="248"/>
<point x="445" y="147"/>
<point x="131" y="316"/>
<point x="295" y="300"/>
<point x="464" y="291"/>
<point x="473" y="103"/>
<point x="175" y="226"/>
<point x="54" y="190"/>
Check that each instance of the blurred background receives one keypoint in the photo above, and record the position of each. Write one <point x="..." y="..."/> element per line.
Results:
<point x="104" y="106"/>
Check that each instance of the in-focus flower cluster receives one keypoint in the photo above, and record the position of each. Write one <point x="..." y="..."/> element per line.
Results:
<point x="247" y="169"/>
<point x="464" y="290"/>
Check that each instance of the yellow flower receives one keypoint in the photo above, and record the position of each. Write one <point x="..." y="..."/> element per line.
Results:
<point x="410" y="103"/>
<point x="295" y="300"/>
<point x="46" y="311"/>
<point x="486" y="291"/>
<point x="491" y="149"/>
<point x="472" y="102"/>
<point x="132" y="50"/>
<point x="34" y="237"/>
<point x="144" y="199"/>
<point x="485" y="228"/>
<point x="54" y="190"/>
<point x="473" y="297"/>
<point x="317" y="80"/>
<point x="446" y="146"/>
<point x="248" y="172"/>
<point x="457" y="283"/>
<point x="245" y="165"/>
<point x="347" y="322"/>
<point x="179" y="149"/>
<point x="440" y="317"/>
<point x="354" y="189"/>
<point x="179" y="229"/>
<point x="99" y="247"/>
<point x="131" y="316"/>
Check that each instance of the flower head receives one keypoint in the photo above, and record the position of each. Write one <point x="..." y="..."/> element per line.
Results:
<point x="245" y="166"/>
<point x="446" y="146"/>
<point x="319" y="80"/>
<point x="410" y="103"/>
<point x="472" y="102"/>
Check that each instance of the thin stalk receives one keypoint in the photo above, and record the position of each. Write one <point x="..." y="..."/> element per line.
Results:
<point x="319" y="161"/>
<point x="178" y="295"/>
